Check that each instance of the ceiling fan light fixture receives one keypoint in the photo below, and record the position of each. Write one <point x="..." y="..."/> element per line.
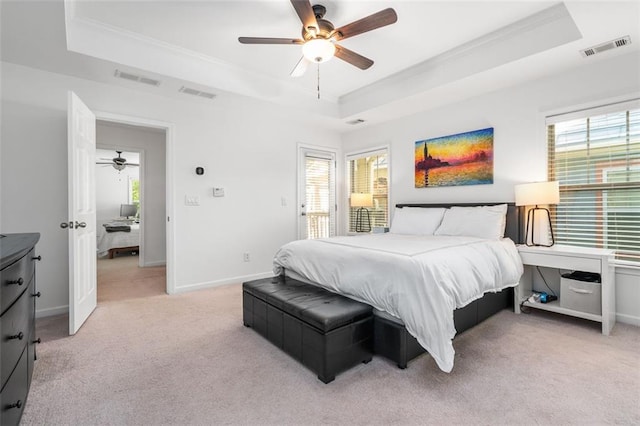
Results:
<point x="119" y="166"/>
<point x="318" y="50"/>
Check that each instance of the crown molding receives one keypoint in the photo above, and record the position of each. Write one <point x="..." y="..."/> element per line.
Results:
<point x="537" y="33"/>
<point x="97" y="39"/>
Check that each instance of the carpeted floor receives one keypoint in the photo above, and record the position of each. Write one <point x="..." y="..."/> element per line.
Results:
<point x="187" y="359"/>
<point x="120" y="278"/>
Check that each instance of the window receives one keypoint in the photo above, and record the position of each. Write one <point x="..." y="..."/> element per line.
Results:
<point x="134" y="191"/>
<point x="368" y="175"/>
<point x="595" y="157"/>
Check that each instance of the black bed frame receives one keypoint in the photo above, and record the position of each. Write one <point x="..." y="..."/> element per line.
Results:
<point x="393" y="341"/>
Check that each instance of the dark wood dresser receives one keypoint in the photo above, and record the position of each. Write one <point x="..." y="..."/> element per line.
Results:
<point x="17" y="322"/>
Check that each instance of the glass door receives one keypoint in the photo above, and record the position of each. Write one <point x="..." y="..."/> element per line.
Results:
<point x="317" y="200"/>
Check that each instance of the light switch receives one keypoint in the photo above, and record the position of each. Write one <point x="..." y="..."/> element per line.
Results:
<point x="191" y="200"/>
<point x="218" y="192"/>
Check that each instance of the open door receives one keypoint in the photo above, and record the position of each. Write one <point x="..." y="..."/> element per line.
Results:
<point x="82" y="212"/>
<point x="317" y="195"/>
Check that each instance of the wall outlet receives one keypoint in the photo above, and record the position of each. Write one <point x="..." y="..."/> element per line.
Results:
<point x="246" y="257"/>
<point x="218" y="192"/>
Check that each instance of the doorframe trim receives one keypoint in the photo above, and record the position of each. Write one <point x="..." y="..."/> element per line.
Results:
<point x="300" y="147"/>
<point x="169" y="129"/>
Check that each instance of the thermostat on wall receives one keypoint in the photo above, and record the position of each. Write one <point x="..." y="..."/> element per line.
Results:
<point x="218" y="192"/>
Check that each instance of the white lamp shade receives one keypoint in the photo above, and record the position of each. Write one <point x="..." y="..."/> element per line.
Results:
<point x="537" y="193"/>
<point x="318" y="50"/>
<point x="361" y="200"/>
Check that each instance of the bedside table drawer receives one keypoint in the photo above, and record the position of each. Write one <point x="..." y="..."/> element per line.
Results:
<point x="561" y="262"/>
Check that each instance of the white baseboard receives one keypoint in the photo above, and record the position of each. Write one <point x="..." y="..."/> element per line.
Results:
<point x="49" y="312"/>
<point x="209" y="284"/>
<point x="154" y="263"/>
<point x="628" y="319"/>
<point x="59" y="310"/>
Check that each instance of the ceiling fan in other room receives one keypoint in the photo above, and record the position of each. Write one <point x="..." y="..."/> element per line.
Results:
<point x="319" y="37"/>
<point x="118" y="163"/>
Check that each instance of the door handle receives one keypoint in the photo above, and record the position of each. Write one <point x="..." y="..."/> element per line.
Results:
<point x="65" y="225"/>
<point x="80" y="225"/>
<point x="303" y="214"/>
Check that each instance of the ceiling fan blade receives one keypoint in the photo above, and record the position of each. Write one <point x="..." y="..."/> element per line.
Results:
<point x="380" y="19"/>
<point x="102" y="162"/>
<point x="131" y="164"/>
<point x="305" y="12"/>
<point x="353" y="58"/>
<point x="300" y="68"/>
<point x="269" y="40"/>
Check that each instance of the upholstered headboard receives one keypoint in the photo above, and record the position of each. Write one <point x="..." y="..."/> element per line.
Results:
<point x="515" y="222"/>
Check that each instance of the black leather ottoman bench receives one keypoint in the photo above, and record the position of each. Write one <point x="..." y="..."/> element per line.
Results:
<point x="326" y="332"/>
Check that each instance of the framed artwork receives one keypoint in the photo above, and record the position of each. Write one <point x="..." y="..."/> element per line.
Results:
<point x="461" y="159"/>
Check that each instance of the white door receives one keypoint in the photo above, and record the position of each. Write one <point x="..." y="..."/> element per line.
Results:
<point x="82" y="212"/>
<point x="317" y="195"/>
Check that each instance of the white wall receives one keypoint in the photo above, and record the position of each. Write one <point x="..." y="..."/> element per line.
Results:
<point x="517" y="116"/>
<point x="152" y="145"/>
<point x="247" y="147"/>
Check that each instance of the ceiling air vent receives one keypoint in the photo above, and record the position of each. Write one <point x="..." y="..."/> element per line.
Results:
<point x="195" y="92"/>
<point x="137" y="78"/>
<point x="356" y="121"/>
<point x="619" y="42"/>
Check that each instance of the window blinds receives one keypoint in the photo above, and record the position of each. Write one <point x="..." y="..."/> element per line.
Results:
<point x="595" y="157"/>
<point x="320" y="197"/>
<point x="369" y="174"/>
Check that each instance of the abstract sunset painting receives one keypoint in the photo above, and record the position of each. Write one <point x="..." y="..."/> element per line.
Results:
<point x="461" y="159"/>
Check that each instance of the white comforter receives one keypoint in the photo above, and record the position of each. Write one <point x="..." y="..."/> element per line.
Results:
<point x="418" y="279"/>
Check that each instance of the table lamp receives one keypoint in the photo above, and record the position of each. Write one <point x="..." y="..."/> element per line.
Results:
<point x="535" y="194"/>
<point x="362" y="201"/>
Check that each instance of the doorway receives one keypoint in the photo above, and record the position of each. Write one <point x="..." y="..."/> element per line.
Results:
<point x="81" y="149"/>
<point x="316" y="192"/>
<point x="132" y="254"/>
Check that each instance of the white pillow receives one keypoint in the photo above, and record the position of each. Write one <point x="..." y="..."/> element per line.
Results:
<point x="482" y="221"/>
<point x="416" y="220"/>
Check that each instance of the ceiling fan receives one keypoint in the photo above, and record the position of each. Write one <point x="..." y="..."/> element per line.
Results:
<point x="320" y="37"/>
<point x="118" y="163"/>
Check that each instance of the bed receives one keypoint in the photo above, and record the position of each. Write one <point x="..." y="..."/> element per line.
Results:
<point x="112" y="243"/>
<point x="414" y="277"/>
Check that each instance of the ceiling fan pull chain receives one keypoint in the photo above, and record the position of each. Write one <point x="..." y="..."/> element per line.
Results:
<point x="318" y="80"/>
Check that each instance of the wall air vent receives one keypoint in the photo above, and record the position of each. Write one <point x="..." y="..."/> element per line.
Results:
<point x="356" y="121"/>
<point x="195" y="92"/>
<point x="619" y="42"/>
<point x="137" y="78"/>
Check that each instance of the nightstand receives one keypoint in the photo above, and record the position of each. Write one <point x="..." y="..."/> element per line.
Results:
<point x="536" y="262"/>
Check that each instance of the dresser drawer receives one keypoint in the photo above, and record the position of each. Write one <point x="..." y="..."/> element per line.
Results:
<point x="14" y="279"/>
<point x="15" y="329"/>
<point x="14" y="394"/>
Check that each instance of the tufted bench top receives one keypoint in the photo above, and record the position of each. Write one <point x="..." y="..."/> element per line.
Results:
<point x="313" y="305"/>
